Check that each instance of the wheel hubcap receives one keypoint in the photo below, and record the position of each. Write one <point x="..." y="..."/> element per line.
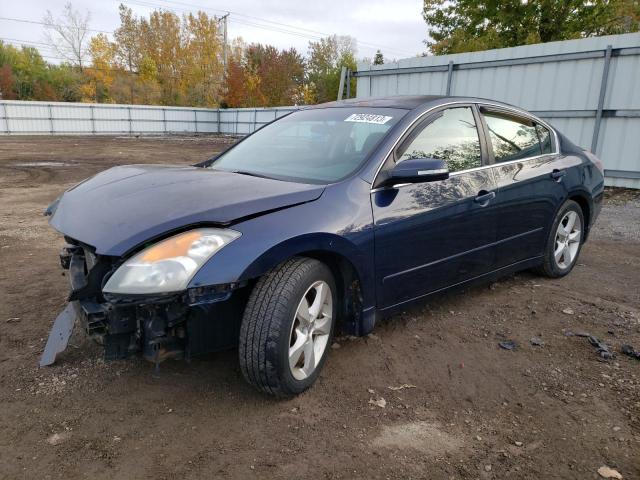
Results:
<point x="310" y="330"/>
<point x="568" y="238"/>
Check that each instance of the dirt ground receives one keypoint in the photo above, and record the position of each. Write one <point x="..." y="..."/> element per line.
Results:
<point x="456" y="405"/>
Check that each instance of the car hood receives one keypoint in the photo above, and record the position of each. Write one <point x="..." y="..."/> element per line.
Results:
<point x="122" y="207"/>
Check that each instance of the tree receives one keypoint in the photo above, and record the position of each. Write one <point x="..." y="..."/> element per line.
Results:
<point x="162" y="42"/>
<point x="7" y="83"/>
<point x="128" y="50"/>
<point x="68" y="34"/>
<point x="378" y="59"/>
<point x="470" y="25"/>
<point x="327" y="56"/>
<point x="281" y="73"/>
<point x="203" y="51"/>
<point x="101" y="74"/>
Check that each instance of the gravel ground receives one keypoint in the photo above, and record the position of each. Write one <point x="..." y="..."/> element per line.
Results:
<point x="429" y="394"/>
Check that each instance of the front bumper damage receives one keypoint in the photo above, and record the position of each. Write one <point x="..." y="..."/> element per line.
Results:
<point x="179" y="325"/>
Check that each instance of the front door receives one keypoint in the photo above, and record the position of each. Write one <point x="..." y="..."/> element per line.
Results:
<point x="432" y="235"/>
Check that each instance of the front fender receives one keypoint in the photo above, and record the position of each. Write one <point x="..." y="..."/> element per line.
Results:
<point x="339" y="223"/>
<point x="313" y="242"/>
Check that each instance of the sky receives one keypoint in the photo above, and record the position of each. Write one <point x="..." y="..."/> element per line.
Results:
<point x="395" y="27"/>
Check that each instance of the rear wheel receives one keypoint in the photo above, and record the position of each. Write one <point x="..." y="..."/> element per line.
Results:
<point x="564" y="242"/>
<point x="287" y="327"/>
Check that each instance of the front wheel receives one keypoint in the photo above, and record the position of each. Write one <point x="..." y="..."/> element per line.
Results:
<point x="564" y="241"/>
<point x="287" y="327"/>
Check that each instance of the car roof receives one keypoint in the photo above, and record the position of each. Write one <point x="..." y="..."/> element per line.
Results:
<point x="407" y="102"/>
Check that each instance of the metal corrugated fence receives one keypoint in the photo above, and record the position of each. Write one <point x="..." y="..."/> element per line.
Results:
<point x="589" y="89"/>
<point x="60" y="118"/>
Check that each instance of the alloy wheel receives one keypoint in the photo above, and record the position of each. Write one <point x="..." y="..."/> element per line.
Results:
<point x="568" y="236"/>
<point x="310" y="330"/>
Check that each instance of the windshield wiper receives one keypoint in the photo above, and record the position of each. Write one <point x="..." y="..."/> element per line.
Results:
<point x="251" y="174"/>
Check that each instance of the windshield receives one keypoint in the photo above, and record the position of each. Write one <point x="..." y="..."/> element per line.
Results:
<point x="314" y="146"/>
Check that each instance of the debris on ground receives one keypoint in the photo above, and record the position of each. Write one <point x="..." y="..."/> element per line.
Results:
<point x="568" y="311"/>
<point x="630" y="351"/>
<point x="381" y="402"/>
<point x="536" y="342"/>
<point x="13" y="319"/>
<point x="58" y="438"/>
<point x="607" y="472"/>
<point x="569" y="333"/>
<point x="402" y="387"/>
<point x="508" y="345"/>
<point x="603" y="349"/>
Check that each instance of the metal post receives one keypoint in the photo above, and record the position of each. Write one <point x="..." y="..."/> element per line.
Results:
<point x="603" y="91"/>
<point x="255" y="119"/>
<point x="195" y="118"/>
<point x="164" y="120"/>
<point x="130" y="121"/>
<point x="343" y="73"/>
<point x="50" y="118"/>
<point x="218" y="119"/>
<point x="236" y="122"/>
<point x="93" y="120"/>
<point x="6" y="119"/>
<point x="348" y="83"/>
<point x="449" y="77"/>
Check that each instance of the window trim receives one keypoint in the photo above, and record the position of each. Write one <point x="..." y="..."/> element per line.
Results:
<point x="477" y="105"/>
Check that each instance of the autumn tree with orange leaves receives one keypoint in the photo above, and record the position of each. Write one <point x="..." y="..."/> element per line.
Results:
<point x="174" y="60"/>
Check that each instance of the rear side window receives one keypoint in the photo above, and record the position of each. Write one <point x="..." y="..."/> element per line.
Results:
<point x="545" y="139"/>
<point x="452" y="137"/>
<point x="514" y="138"/>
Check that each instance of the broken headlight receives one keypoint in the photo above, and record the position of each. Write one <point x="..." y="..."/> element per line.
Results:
<point x="169" y="265"/>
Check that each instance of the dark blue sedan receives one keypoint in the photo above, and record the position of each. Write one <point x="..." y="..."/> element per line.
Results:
<point x="326" y="219"/>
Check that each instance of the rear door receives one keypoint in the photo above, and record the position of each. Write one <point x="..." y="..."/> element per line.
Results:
<point x="432" y="235"/>
<point x="529" y="174"/>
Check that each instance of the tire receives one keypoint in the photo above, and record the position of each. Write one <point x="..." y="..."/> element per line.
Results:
<point x="553" y="266"/>
<point x="274" y="325"/>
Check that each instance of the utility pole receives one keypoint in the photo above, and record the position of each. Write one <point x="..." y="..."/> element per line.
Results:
<point x="224" y="36"/>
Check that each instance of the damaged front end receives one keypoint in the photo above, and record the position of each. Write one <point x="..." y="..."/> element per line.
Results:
<point x="159" y="326"/>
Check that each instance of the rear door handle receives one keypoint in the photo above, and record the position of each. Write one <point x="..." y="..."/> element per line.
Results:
<point x="558" y="174"/>
<point x="484" y="197"/>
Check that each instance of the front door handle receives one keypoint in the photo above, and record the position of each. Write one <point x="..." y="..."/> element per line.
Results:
<point x="558" y="174"/>
<point x="484" y="197"/>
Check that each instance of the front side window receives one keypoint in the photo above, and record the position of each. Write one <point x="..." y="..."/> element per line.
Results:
<point x="514" y="138"/>
<point x="452" y="137"/>
<point x="320" y="145"/>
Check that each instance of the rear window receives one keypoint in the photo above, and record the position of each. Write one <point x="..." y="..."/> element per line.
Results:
<point x="515" y="138"/>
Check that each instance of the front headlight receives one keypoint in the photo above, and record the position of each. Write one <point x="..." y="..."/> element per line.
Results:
<point x="169" y="265"/>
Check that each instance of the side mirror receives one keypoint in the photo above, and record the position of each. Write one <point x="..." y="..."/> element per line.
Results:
<point x="418" y="170"/>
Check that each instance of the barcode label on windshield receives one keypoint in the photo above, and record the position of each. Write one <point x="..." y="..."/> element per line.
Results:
<point x="368" y="118"/>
